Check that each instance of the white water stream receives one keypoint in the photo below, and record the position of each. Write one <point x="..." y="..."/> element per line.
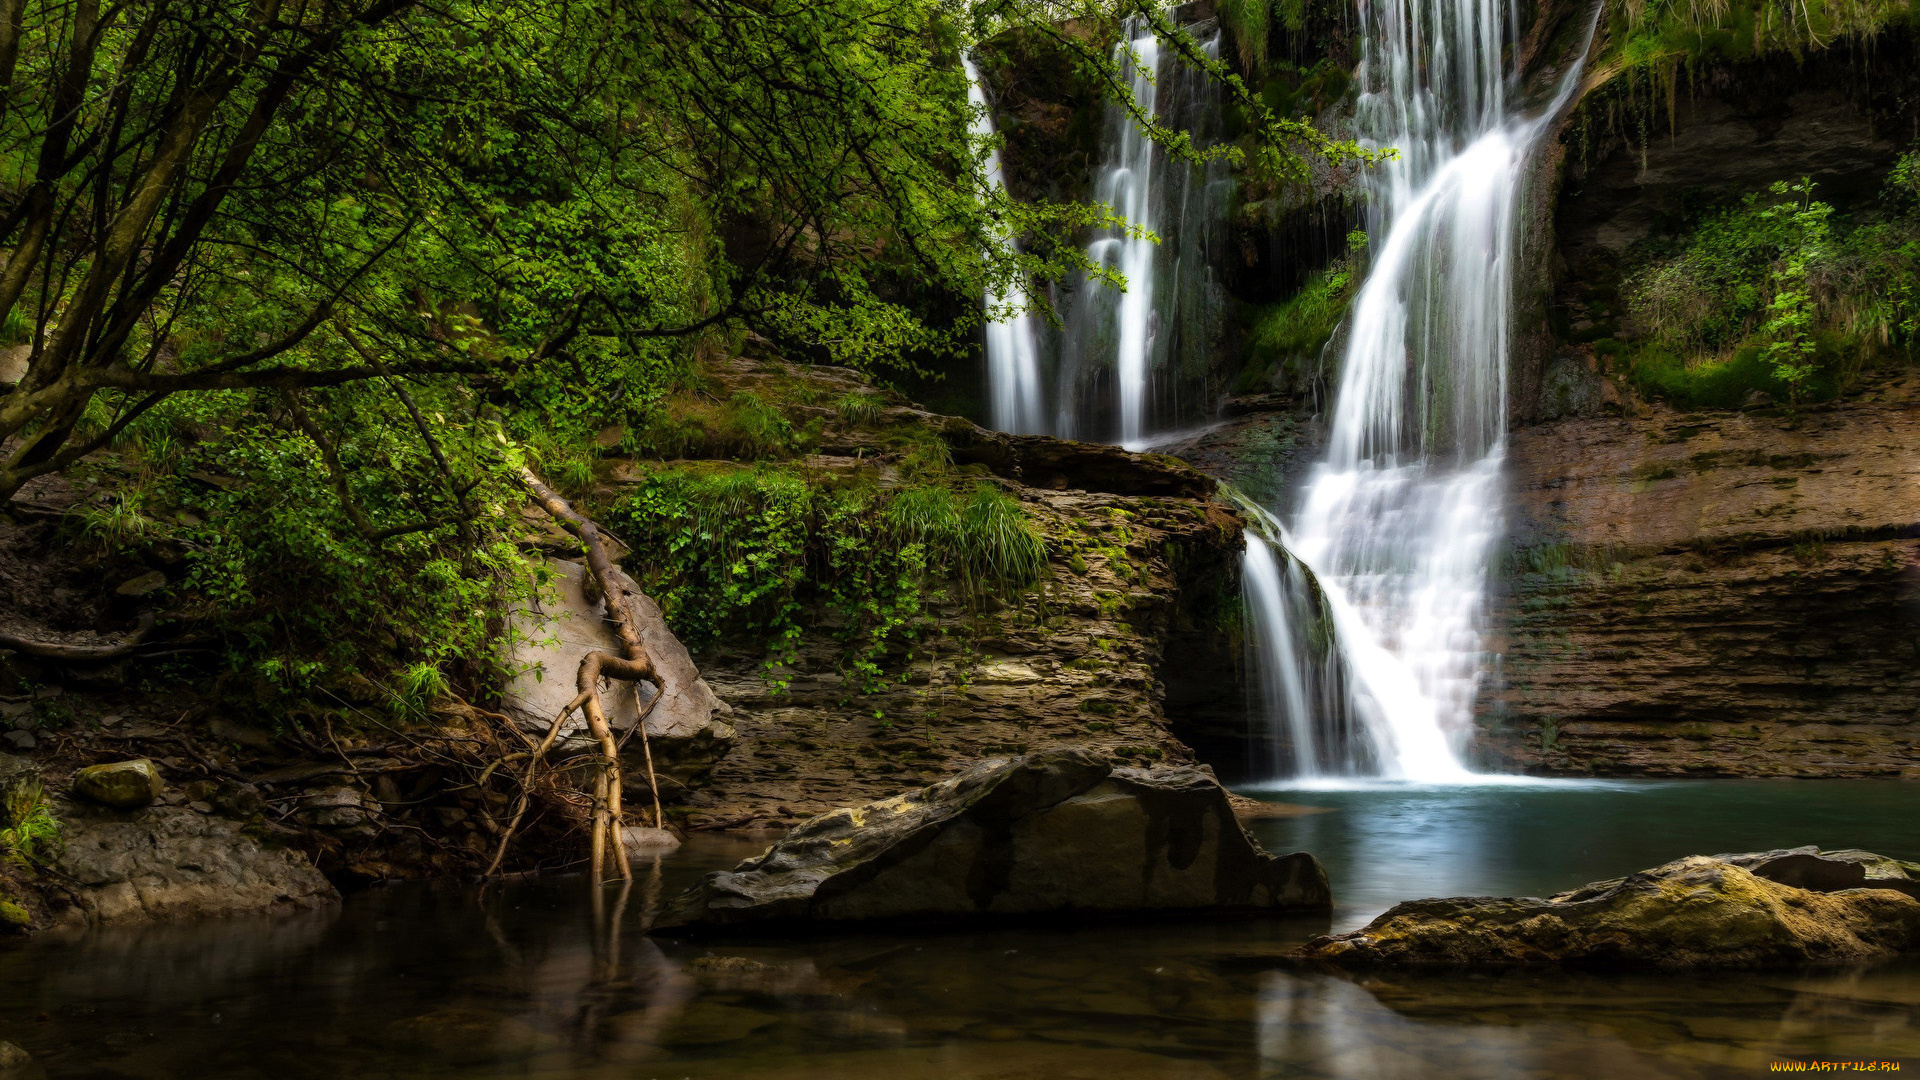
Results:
<point x="1127" y="357"/>
<point x="1127" y="185"/>
<point x="1013" y="340"/>
<point x="1398" y="523"/>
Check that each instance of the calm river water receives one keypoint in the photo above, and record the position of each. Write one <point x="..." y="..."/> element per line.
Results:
<point x="523" y="981"/>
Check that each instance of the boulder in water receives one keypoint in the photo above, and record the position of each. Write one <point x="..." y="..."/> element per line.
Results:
<point x="1795" y="906"/>
<point x="1053" y="833"/>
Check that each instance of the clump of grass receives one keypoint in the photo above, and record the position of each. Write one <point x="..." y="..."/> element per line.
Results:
<point x="32" y="834"/>
<point x="119" y="523"/>
<point x="984" y="538"/>
<point x="998" y="547"/>
<point x="16" y="328"/>
<point x="859" y="410"/>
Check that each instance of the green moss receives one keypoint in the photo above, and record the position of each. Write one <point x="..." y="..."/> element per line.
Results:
<point x="692" y="425"/>
<point x="1661" y="35"/>
<point x="1288" y="336"/>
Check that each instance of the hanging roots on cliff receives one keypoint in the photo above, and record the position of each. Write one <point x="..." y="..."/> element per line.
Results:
<point x="607" y="820"/>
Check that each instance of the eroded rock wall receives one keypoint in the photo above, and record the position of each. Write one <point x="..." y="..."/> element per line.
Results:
<point x="1715" y="594"/>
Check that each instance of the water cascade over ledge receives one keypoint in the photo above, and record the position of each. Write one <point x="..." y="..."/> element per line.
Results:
<point x="1013" y="342"/>
<point x="1135" y="361"/>
<point x="1398" y="523"/>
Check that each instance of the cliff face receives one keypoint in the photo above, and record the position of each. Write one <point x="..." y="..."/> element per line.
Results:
<point x="1726" y="593"/>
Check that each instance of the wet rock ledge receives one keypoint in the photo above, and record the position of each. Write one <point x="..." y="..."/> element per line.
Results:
<point x="1763" y="909"/>
<point x="1052" y="833"/>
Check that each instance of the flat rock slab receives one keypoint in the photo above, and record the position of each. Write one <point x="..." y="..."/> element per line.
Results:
<point x="1763" y="909"/>
<point x="169" y="862"/>
<point x="1052" y="833"/>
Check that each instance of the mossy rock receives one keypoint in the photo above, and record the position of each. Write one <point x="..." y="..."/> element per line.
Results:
<point x="14" y="917"/>
<point x="123" y="785"/>
<point x="1765" y="909"/>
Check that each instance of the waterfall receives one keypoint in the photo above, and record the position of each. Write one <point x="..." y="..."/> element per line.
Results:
<point x="1131" y="360"/>
<point x="1397" y="524"/>
<point x="1013" y="341"/>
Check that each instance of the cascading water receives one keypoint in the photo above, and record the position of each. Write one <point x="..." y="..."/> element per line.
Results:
<point x="1398" y="522"/>
<point x="1013" y="340"/>
<point x="1126" y="356"/>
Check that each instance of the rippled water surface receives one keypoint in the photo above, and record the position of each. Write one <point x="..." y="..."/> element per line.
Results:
<point x="526" y="981"/>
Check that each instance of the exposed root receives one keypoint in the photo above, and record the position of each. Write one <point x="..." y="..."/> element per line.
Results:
<point x="48" y="650"/>
<point x="607" y="820"/>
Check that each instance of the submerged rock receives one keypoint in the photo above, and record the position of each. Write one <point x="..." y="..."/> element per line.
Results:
<point x="123" y="785"/>
<point x="467" y="1034"/>
<point x="1795" y="906"/>
<point x="1052" y="833"/>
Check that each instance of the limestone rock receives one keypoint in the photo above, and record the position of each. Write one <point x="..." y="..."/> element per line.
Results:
<point x="123" y="785"/>
<point x="1120" y="649"/>
<point x="1798" y="906"/>
<point x="168" y="862"/>
<point x="686" y="729"/>
<point x="12" y="1057"/>
<point x="1047" y="834"/>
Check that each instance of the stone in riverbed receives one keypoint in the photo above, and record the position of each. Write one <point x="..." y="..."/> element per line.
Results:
<point x="1797" y="906"/>
<point x="1057" y="832"/>
<point x="123" y="785"/>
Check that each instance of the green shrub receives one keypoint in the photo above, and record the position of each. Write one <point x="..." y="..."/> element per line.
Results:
<point x="749" y="552"/>
<point x="31" y="836"/>
<point x="1776" y="294"/>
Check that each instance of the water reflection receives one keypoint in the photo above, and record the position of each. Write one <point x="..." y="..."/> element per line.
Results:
<point x="534" y="980"/>
<point x="1571" y="1024"/>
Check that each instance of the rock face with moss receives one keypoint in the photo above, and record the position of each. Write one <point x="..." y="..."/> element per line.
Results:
<point x="911" y="593"/>
<point x="1055" y="833"/>
<point x="1716" y="593"/>
<point x="1766" y="909"/>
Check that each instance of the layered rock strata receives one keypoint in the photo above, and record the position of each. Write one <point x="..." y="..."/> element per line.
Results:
<point x="1132" y="614"/>
<point x="1715" y="594"/>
